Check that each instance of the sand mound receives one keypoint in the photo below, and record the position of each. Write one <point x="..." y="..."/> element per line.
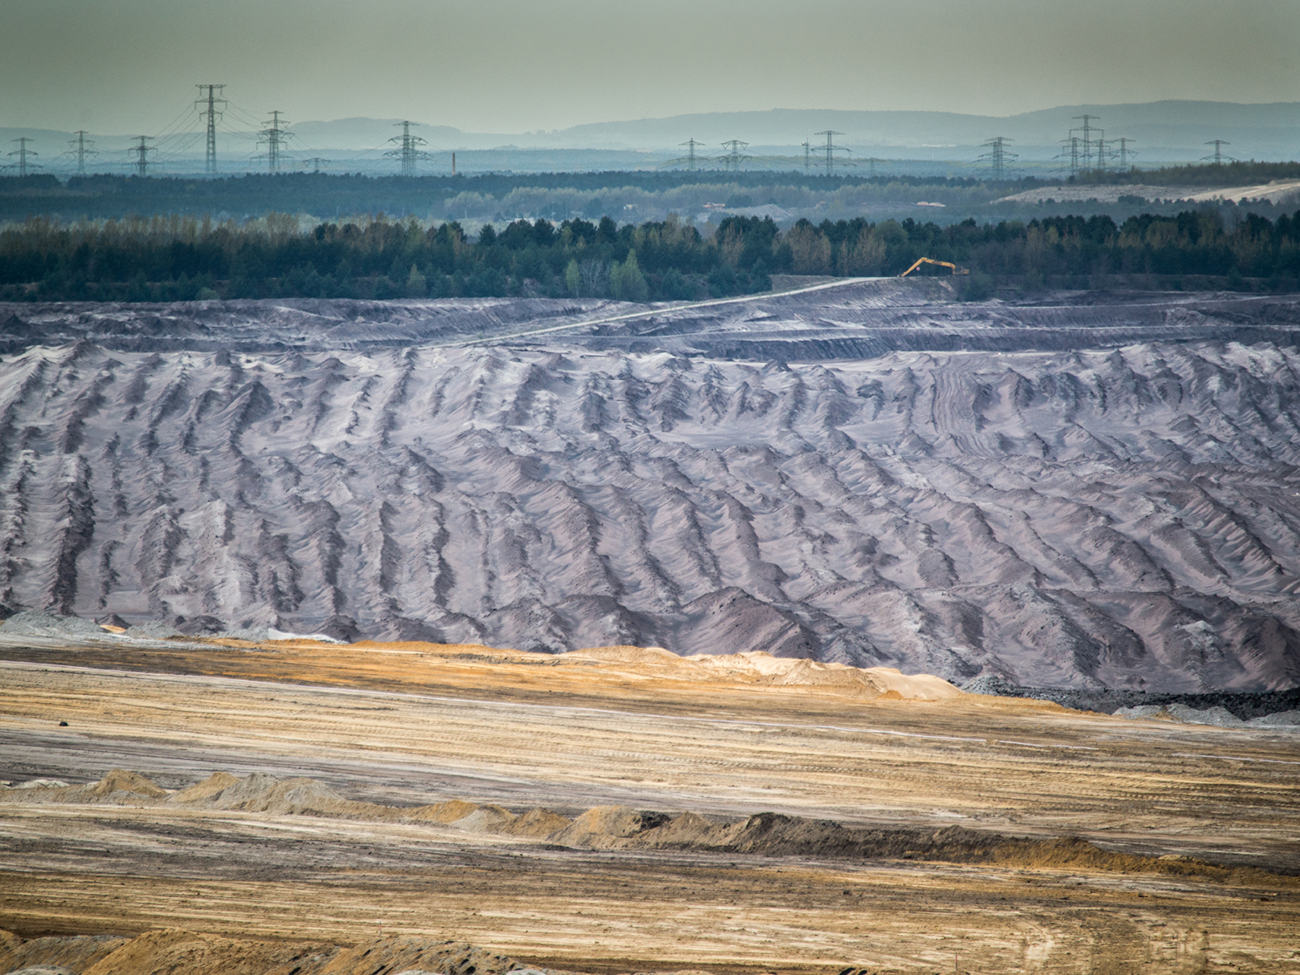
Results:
<point x="776" y="835"/>
<point x="624" y="828"/>
<point x="464" y="815"/>
<point x="118" y="787"/>
<point x="538" y="823"/>
<point x="132" y="783"/>
<point x="168" y="952"/>
<point x="606" y="827"/>
<point x="213" y="785"/>
<point x="177" y="952"/>
<point x="59" y="954"/>
<point x="405" y="953"/>
<point x="762" y="668"/>
<point x="758" y="667"/>
<point x="687" y="830"/>
<point x="260" y="792"/>
<point x="638" y="656"/>
<point x="914" y="687"/>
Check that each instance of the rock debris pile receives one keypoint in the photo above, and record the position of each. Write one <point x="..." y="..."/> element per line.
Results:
<point x="1124" y="517"/>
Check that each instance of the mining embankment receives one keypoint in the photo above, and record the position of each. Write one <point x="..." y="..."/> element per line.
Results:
<point x="1085" y="492"/>
<point x="223" y="806"/>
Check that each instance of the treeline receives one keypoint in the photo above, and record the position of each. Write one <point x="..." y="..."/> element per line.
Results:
<point x="481" y="197"/>
<point x="178" y="258"/>
<point x="1235" y="173"/>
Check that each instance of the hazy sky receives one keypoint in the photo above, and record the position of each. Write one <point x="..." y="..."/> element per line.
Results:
<point x="129" y="66"/>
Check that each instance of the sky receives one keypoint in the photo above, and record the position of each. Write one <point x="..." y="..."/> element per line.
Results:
<point x="130" y="66"/>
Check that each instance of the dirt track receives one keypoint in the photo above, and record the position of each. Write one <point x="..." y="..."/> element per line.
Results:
<point x="407" y="725"/>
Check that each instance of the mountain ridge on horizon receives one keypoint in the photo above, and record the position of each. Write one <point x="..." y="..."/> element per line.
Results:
<point x="1169" y="129"/>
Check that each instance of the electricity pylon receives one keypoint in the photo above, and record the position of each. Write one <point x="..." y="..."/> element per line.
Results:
<point x="406" y="150"/>
<point x="1217" y="156"/>
<point x="274" y="137"/>
<point x="831" y="148"/>
<point x="23" y="153"/>
<point x="1124" y="152"/>
<point x="209" y="112"/>
<point x="81" y="148"/>
<point x="807" y="155"/>
<point x="1087" y="134"/>
<point x="141" y="149"/>
<point x="734" y="157"/>
<point x="1073" y="143"/>
<point x="998" y="155"/>
<point x="1102" y="155"/>
<point x="690" y="145"/>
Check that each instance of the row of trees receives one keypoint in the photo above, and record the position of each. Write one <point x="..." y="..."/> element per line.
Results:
<point x="479" y="196"/>
<point x="177" y="258"/>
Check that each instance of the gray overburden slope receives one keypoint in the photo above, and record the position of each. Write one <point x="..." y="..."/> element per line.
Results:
<point x="1116" y="503"/>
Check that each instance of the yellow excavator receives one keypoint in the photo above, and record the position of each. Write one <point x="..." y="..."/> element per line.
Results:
<point x="931" y="260"/>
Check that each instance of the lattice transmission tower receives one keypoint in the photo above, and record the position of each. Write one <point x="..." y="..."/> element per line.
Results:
<point x="141" y="151"/>
<point x="1070" y="151"/>
<point x="408" y="148"/>
<point x="690" y="145"/>
<point x="998" y="155"/>
<point x="81" y="147"/>
<point x="1124" y="152"/>
<point x="734" y="155"/>
<point x="274" y="136"/>
<point x="1086" y="135"/>
<point x="1217" y="157"/>
<point x="209" y="112"/>
<point x="23" y="154"/>
<point x="831" y="148"/>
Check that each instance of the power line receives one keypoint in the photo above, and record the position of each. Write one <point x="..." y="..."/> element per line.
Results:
<point x="831" y="148"/>
<point x="210" y="115"/>
<point x="179" y="136"/>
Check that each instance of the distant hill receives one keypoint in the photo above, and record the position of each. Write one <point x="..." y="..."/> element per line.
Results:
<point x="1168" y="130"/>
<point x="370" y="133"/>
<point x="1161" y="132"/>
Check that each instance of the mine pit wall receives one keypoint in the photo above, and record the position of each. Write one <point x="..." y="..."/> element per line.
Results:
<point x="1126" y="517"/>
<point x="1061" y="518"/>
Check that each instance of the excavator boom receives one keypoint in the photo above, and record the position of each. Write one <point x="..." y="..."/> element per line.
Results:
<point x="930" y="260"/>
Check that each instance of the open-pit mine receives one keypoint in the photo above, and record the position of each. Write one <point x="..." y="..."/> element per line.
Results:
<point x="260" y="562"/>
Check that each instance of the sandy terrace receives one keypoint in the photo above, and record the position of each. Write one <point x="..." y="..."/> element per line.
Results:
<point x="407" y="725"/>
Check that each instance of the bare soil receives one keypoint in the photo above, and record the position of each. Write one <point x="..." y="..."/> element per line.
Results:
<point x="461" y="794"/>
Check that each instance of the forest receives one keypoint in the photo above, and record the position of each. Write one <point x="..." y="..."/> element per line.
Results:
<point x="628" y="196"/>
<point x="179" y="258"/>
